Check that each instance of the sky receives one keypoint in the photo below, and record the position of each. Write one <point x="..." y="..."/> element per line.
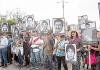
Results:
<point x="48" y="9"/>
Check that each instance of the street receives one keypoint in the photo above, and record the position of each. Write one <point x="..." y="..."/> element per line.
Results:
<point x="15" y="66"/>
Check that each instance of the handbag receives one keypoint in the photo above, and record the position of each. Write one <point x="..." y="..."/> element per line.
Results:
<point x="93" y="60"/>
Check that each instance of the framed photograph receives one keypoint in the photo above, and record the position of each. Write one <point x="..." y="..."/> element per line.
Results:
<point x="4" y="27"/>
<point x="58" y="25"/>
<point x="90" y="24"/>
<point x="82" y="19"/>
<point x="89" y="36"/>
<point x="16" y="32"/>
<point x="70" y="53"/>
<point x="44" y="26"/>
<point x="30" y="22"/>
<point x="82" y="26"/>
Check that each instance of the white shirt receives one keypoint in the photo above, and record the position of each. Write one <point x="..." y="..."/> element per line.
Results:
<point x="4" y="42"/>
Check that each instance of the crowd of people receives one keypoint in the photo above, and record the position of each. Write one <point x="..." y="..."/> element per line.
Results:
<point x="45" y="50"/>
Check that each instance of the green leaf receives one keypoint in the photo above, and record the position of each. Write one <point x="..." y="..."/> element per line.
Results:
<point x="11" y="22"/>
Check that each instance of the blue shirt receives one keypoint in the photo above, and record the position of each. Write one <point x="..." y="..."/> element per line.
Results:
<point x="60" y="52"/>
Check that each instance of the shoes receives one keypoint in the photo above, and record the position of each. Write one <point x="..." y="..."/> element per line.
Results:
<point x="1" y="65"/>
<point x="25" y="65"/>
<point x="10" y="62"/>
<point x="5" y="66"/>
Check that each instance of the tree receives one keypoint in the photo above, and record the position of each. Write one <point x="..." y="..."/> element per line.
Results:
<point x="11" y="22"/>
<point x="0" y="21"/>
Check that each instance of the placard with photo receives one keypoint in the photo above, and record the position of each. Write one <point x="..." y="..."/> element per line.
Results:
<point x="29" y="22"/>
<point x="4" y="27"/>
<point x="15" y="32"/>
<point x="70" y="53"/>
<point x="58" y="25"/>
<point x="44" y="26"/>
<point x="90" y="24"/>
<point x="82" y="19"/>
<point x="89" y="36"/>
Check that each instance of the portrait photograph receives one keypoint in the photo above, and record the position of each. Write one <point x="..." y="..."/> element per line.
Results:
<point x="70" y="53"/>
<point x="45" y="26"/>
<point x="92" y="24"/>
<point x="4" y="27"/>
<point x="16" y="32"/>
<point x="82" y="26"/>
<point x="82" y="19"/>
<point x="29" y="22"/>
<point x="88" y="25"/>
<point x="58" y="25"/>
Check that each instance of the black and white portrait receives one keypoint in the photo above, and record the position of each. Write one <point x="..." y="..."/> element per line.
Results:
<point x="88" y="25"/>
<point x="82" y="19"/>
<point x="58" y="25"/>
<point x="71" y="53"/>
<point x="91" y="24"/>
<point x="45" y="26"/>
<point x="4" y="27"/>
<point x="29" y="22"/>
<point x="82" y="26"/>
<point x="16" y="31"/>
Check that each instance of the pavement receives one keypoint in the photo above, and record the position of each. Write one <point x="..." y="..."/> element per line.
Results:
<point x="15" y="66"/>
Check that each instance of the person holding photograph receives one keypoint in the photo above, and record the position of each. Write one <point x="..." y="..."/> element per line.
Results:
<point x="9" y="52"/>
<point x="19" y="51"/>
<point x="26" y="49"/>
<point x="74" y="39"/>
<point x="48" y="50"/>
<point x="97" y="55"/>
<point x="60" y="52"/>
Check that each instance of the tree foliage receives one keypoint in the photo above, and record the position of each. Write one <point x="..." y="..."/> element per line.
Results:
<point x="11" y="22"/>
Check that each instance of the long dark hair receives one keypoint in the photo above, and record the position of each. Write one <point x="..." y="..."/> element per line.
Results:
<point x="76" y="34"/>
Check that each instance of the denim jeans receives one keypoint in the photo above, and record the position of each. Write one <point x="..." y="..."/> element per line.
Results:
<point x="4" y="55"/>
<point x="61" y="60"/>
<point x="20" y="58"/>
<point x="35" y="58"/>
<point x="41" y="56"/>
<point x="0" y="53"/>
<point x="48" y="62"/>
